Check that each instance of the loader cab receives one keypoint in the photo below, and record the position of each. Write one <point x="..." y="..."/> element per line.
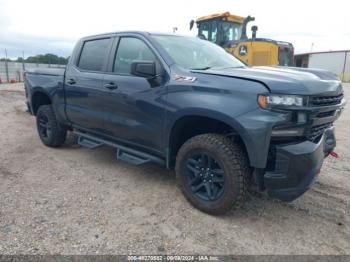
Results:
<point x="220" y="29"/>
<point x="230" y="32"/>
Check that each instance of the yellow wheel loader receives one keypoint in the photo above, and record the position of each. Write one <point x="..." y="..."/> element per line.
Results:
<point x="230" y="32"/>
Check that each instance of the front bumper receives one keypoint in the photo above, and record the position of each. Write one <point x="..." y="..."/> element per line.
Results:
<point x="296" y="166"/>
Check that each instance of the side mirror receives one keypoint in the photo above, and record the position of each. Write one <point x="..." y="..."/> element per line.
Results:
<point x="191" y="24"/>
<point x="143" y="68"/>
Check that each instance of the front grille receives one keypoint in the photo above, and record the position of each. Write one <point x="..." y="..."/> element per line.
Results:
<point x="326" y="100"/>
<point x="316" y="131"/>
<point x="326" y="114"/>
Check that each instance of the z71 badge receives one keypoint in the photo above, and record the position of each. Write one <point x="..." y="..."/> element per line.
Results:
<point x="184" y="78"/>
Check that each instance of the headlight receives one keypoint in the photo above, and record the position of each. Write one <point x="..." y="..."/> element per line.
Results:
<point x="268" y="101"/>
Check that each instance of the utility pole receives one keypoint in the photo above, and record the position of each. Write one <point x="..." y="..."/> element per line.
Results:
<point x="23" y="64"/>
<point x="343" y="73"/>
<point x="6" y="67"/>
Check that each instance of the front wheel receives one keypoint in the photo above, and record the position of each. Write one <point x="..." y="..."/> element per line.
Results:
<point x="212" y="172"/>
<point x="50" y="131"/>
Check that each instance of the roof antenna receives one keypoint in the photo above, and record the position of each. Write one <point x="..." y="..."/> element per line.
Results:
<point x="174" y="29"/>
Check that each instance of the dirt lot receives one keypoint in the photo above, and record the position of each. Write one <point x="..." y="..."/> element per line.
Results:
<point x="78" y="201"/>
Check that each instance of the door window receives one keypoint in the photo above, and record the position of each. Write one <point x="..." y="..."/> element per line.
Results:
<point x="94" y="54"/>
<point x="129" y="50"/>
<point x="214" y="31"/>
<point x="204" y="29"/>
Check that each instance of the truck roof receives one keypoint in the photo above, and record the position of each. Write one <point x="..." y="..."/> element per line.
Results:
<point x="144" y="33"/>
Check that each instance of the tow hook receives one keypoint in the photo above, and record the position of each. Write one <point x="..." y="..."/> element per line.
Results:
<point x="334" y="154"/>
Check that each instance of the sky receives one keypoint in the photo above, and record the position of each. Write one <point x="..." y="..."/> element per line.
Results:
<point x="53" y="26"/>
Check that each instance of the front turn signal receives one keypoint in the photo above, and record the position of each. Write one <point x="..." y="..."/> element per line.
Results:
<point x="262" y="101"/>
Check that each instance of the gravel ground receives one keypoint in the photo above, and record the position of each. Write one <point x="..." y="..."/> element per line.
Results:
<point x="73" y="200"/>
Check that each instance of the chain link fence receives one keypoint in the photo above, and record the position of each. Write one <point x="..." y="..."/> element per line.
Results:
<point x="13" y="71"/>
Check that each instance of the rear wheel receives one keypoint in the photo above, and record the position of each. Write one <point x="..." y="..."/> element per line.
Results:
<point x="212" y="173"/>
<point x="50" y="131"/>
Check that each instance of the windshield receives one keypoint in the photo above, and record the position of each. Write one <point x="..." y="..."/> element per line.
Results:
<point x="194" y="53"/>
<point x="285" y="56"/>
<point x="231" y="31"/>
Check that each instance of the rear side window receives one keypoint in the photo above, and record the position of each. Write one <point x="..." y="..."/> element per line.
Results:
<point x="129" y="50"/>
<point x="93" y="54"/>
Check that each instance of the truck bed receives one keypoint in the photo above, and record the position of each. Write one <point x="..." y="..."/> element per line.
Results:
<point x="47" y="71"/>
<point x="45" y="80"/>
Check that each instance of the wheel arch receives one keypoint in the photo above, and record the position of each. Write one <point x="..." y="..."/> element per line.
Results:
<point x="190" y="125"/>
<point x="38" y="99"/>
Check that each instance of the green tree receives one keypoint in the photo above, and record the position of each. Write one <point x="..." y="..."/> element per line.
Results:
<point x="41" y="59"/>
<point x="5" y="59"/>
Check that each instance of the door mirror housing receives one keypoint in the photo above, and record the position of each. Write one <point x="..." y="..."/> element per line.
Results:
<point x="143" y="68"/>
<point x="191" y="24"/>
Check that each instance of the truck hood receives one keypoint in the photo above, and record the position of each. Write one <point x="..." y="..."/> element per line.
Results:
<point x="286" y="80"/>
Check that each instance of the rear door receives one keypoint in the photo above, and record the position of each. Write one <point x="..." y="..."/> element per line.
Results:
<point x="85" y="95"/>
<point x="136" y="104"/>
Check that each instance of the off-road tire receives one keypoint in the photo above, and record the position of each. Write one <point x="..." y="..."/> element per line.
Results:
<point x="234" y="163"/>
<point x="57" y="134"/>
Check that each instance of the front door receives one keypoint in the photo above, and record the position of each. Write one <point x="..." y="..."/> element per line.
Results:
<point x="136" y="104"/>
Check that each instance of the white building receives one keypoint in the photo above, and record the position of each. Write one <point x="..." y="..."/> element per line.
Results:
<point x="337" y="62"/>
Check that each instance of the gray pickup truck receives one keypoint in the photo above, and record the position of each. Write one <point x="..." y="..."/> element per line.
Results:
<point x="185" y="103"/>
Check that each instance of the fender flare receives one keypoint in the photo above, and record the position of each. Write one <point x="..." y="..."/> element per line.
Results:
<point x="219" y="116"/>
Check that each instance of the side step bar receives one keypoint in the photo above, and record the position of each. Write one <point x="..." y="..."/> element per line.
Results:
<point x="89" y="143"/>
<point x="131" y="158"/>
<point x="124" y="153"/>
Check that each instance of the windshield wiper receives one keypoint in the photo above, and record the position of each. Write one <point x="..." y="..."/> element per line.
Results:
<point x="201" y="68"/>
<point x="221" y="68"/>
<point x="216" y="68"/>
